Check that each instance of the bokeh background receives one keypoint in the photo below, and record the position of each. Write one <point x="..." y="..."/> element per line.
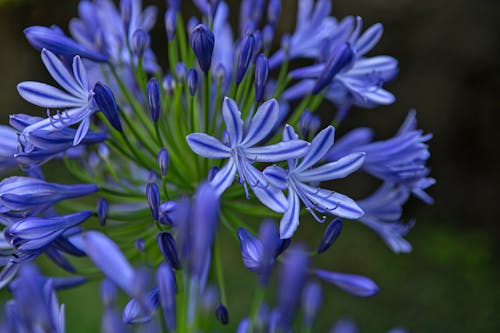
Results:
<point x="449" y="53"/>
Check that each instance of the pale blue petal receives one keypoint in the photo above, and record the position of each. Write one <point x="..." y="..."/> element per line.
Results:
<point x="332" y="202"/>
<point x="272" y="197"/>
<point x="320" y="145"/>
<point x="277" y="152"/>
<point x="353" y="284"/>
<point x="232" y="118"/>
<point x="207" y="146"/>
<point x="47" y="96"/>
<point x="262" y="123"/>
<point x="334" y="170"/>
<point x="290" y="220"/>
<point x="59" y="121"/>
<point x="289" y="133"/>
<point x="59" y="72"/>
<point x="224" y="177"/>
<point x="368" y="39"/>
<point x="82" y="131"/>
<point x="80" y="72"/>
<point x="277" y="176"/>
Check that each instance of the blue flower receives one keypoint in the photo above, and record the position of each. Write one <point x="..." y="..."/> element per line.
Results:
<point x="356" y="285"/>
<point x="23" y="193"/>
<point x="241" y="153"/>
<point x="400" y="159"/>
<point x="298" y="176"/>
<point x="8" y="147"/>
<point x="76" y="99"/>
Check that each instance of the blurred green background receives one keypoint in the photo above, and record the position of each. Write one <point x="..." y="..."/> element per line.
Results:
<point x="449" y="55"/>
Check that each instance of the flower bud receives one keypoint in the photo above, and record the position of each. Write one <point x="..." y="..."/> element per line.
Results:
<point x="140" y="42"/>
<point x="332" y="232"/>
<point x="168" y="84"/>
<point x="273" y="12"/>
<point x="261" y="73"/>
<point x="341" y="57"/>
<point x="108" y="292"/>
<point x="153" y="196"/>
<point x="170" y="22"/>
<point x="153" y="92"/>
<point x="222" y="314"/>
<point x="166" y="211"/>
<point x="140" y="244"/>
<point x="192" y="81"/>
<point x="180" y="71"/>
<point x="246" y="51"/>
<point x="202" y="42"/>
<point x="163" y="159"/>
<point x="102" y="210"/>
<point x="168" y="249"/>
<point x="105" y="100"/>
<point x="167" y="288"/>
<point x="311" y="302"/>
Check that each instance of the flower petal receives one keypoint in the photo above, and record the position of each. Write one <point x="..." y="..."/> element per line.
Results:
<point x="272" y="197"/>
<point x="262" y="123"/>
<point x="207" y="146"/>
<point x="277" y="176"/>
<point x="59" y="72"/>
<point x="47" y="96"/>
<point x="80" y="73"/>
<point x="224" y="177"/>
<point x="320" y="145"/>
<point x="334" y="170"/>
<point x="82" y="131"/>
<point x="251" y="249"/>
<point x="332" y="202"/>
<point x="277" y="152"/>
<point x="232" y="118"/>
<point x="290" y="220"/>
<point x="353" y="284"/>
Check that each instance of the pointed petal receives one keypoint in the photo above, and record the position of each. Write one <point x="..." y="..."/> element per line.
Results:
<point x="232" y="118"/>
<point x="356" y="285"/>
<point x="277" y="152"/>
<point x="289" y="133"/>
<point x="332" y="202"/>
<point x="59" y="72"/>
<point x="43" y="95"/>
<point x="277" y="176"/>
<point x="59" y="121"/>
<point x="368" y="39"/>
<point x="272" y="197"/>
<point x="82" y="130"/>
<point x="318" y="148"/>
<point x="262" y="123"/>
<point x="224" y="177"/>
<point x="334" y="170"/>
<point x="80" y="73"/>
<point x="251" y="249"/>
<point x="290" y="220"/>
<point x="207" y="146"/>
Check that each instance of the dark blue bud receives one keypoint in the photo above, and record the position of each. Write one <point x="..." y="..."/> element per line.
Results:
<point x="168" y="248"/>
<point x="140" y="42"/>
<point x="108" y="292"/>
<point x="102" y="210"/>
<point x="105" y="100"/>
<point x="140" y="244"/>
<point x="167" y="287"/>
<point x="283" y="246"/>
<point x="267" y="37"/>
<point x="311" y="302"/>
<point x="170" y="23"/>
<point x="192" y="81"/>
<point x="202" y="42"/>
<point x="212" y="172"/>
<point x="341" y="57"/>
<point x="166" y="211"/>
<point x="153" y="92"/>
<point x="222" y="314"/>
<point x="245" y="56"/>
<point x="180" y="71"/>
<point x="163" y="159"/>
<point x="273" y="12"/>
<point x="332" y="232"/>
<point x="168" y="84"/>
<point x="261" y="74"/>
<point x="153" y="196"/>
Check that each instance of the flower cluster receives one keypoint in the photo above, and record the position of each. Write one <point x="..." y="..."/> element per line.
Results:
<point x="228" y="135"/>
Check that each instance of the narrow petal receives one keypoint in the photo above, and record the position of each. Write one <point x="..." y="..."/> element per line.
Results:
<point x="277" y="176"/>
<point x="59" y="72"/>
<point x="289" y="133"/>
<point x="290" y="220"/>
<point x="262" y="123"/>
<point x="207" y="146"/>
<point x="368" y="39"/>
<point x="251" y="249"/>
<point x="272" y="197"/>
<point x="80" y="73"/>
<point x="232" y="118"/>
<point x="332" y="202"/>
<point x="318" y="148"/>
<point x="334" y="170"/>
<point x="82" y="131"/>
<point x="224" y="177"/>
<point x="47" y="96"/>
<point x="277" y="152"/>
<point x="356" y="285"/>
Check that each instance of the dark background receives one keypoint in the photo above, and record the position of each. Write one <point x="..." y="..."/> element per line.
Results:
<point x="449" y="53"/>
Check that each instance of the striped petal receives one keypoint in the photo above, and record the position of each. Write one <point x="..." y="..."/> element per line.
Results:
<point x="47" y="96"/>
<point x="224" y="178"/>
<point x="318" y="148"/>
<point x="82" y="131"/>
<point x="207" y="146"/>
<point x="262" y="123"/>
<point x="368" y="39"/>
<point x="334" y="170"/>
<point x="290" y="220"/>
<point x="277" y="152"/>
<point x="59" y="72"/>
<point x="232" y="118"/>
<point x="356" y="285"/>
<point x="80" y="73"/>
<point x="277" y="176"/>
<point x="272" y="197"/>
<point x="332" y="202"/>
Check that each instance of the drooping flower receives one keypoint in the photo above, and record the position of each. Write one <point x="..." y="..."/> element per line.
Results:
<point x="241" y="153"/>
<point x="299" y="174"/>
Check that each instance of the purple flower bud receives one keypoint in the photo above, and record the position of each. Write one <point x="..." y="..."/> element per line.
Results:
<point x="341" y="57"/>
<point x="166" y="211"/>
<point x="141" y="310"/>
<point x="331" y="234"/>
<point x="222" y="314"/>
<point x="170" y="23"/>
<point x="246" y="50"/>
<point x="261" y="73"/>
<point x="245" y="326"/>
<point x="311" y="302"/>
<point x="267" y="37"/>
<point x="108" y="292"/>
<point x="270" y="238"/>
<point x="153" y="92"/>
<point x="105" y="100"/>
<point x="140" y="244"/>
<point x="356" y="285"/>
<point x="163" y="159"/>
<point x="251" y="249"/>
<point x="140" y="42"/>
<point x="180" y="71"/>
<point x="273" y="12"/>
<point x="167" y="287"/>
<point x="153" y="196"/>
<point x="192" y="81"/>
<point x="168" y="84"/>
<point x="168" y="248"/>
<point x="202" y="42"/>
<point x="102" y="210"/>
